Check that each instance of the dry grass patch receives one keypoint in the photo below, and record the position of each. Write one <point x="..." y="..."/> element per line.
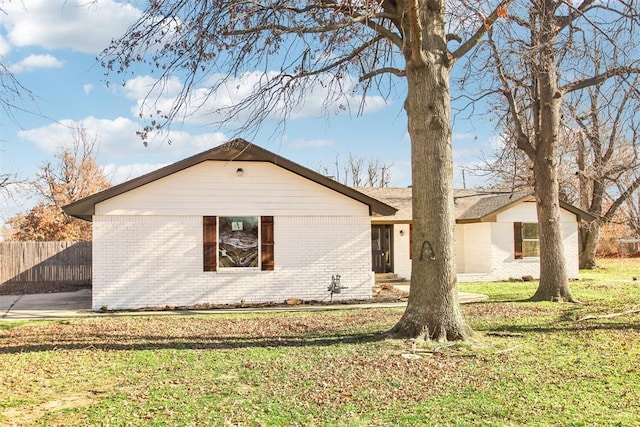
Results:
<point x="534" y="364"/>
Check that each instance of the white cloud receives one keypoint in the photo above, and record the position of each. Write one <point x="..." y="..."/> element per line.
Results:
<point x="87" y="88"/>
<point x="5" y="47"/>
<point x="34" y="62"/>
<point x="141" y="87"/>
<point x="464" y="136"/>
<point x="205" y="107"/>
<point x="117" y="138"/>
<point x="67" y="24"/>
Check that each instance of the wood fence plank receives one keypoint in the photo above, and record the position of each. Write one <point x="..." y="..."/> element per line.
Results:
<point x="45" y="262"/>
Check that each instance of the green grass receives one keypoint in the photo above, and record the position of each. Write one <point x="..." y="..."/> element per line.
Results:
<point x="531" y="364"/>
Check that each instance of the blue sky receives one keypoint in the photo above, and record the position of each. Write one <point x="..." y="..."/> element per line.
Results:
<point x="51" y="47"/>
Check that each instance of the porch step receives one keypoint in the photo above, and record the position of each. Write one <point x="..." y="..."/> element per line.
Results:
<point x="389" y="278"/>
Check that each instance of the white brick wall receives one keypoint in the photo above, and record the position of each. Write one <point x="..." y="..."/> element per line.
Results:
<point x="477" y="250"/>
<point x="485" y="251"/>
<point x="401" y="260"/>
<point x="505" y="266"/>
<point x="144" y="261"/>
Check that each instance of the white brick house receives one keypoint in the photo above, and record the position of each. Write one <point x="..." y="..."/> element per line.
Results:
<point x="496" y="234"/>
<point x="234" y="223"/>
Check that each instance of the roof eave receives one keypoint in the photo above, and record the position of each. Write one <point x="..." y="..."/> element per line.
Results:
<point x="579" y="213"/>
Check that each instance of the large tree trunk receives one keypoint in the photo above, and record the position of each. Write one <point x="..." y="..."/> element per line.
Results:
<point x="589" y="233"/>
<point x="589" y="237"/>
<point x="554" y="283"/>
<point x="433" y="311"/>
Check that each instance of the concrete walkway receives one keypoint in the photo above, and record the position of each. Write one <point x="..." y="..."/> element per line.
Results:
<point x="66" y="305"/>
<point x="46" y="306"/>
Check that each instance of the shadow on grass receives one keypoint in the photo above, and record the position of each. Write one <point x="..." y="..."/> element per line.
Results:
<point x="111" y="342"/>
<point x="560" y="327"/>
<point x="500" y="301"/>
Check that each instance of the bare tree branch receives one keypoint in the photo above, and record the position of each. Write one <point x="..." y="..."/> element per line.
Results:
<point x="594" y="80"/>
<point x="497" y="13"/>
<point x="522" y="139"/>
<point x="387" y="70"/>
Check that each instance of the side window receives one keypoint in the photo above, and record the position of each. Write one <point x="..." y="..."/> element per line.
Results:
<point x="238" y="242"/>
<point x="238" y="238"/>
<point x="526" y="240"/>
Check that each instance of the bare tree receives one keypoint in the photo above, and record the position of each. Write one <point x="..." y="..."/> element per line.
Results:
<point x="532" y="61"/>
<point x="377" y="174"/>
<point x="632" y="212"/>
<point x="73" y="174"/>
<point x="12" y="93"/>
<point x="597" y="159"/>
<point x="13" y="96"/>
<point x="607" y="157"/>
<point x="355" y="165"/>
<point x="332" y="45"/>
<point x="6" y="180"/>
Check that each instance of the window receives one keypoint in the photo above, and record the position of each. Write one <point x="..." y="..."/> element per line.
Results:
<point x="526" y="240"/>
<point x="238" y="242"/>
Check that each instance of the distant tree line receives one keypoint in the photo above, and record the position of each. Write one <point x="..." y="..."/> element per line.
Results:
<point x="358" y="171"/>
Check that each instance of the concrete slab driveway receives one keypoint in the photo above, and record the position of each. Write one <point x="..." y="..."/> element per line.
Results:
<point x="45" y="306"/>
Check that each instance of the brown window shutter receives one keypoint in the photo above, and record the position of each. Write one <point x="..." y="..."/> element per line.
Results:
<point x="410" y="240"/>
<point x="266" y="242"/>
<point x="209" y="240"/>
<point x="517" y="240"/>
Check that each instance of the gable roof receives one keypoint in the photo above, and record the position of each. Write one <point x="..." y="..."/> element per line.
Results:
<point x="470" y="205"/>
<point x="483" y="206"/>
<point x="234" y="150"/>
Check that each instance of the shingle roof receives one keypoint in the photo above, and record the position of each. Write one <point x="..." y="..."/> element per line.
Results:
<point x="398" y="197"/>
<point x="470" y="205"/>
<point x="489" y="203"/>
<point x="235" y="150"/>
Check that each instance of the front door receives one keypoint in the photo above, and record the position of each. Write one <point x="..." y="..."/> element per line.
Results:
<point x="381" y="244"/>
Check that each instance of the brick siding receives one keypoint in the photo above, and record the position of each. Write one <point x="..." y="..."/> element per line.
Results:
<point x="150" y="261"/>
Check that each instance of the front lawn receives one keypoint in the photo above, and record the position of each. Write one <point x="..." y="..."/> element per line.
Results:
<point x="532" y="363"/>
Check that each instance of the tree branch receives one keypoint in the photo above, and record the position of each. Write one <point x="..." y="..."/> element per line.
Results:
<point x="366" y="20"/>
<point x="521" y="140"/>
<point x="283" y="29"/>
<point x="415" y="32"/>
<point x="592" y="81"/>
<point x="633" y="310"/>
<point x="563" y="21"/>
<point x="626" y="194"/>
<point x="486" y="25"/>
<point x="387" y="70"/>
<point x="353" y="54"/>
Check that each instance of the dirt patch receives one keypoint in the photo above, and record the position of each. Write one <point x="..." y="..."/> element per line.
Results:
<point x="388" y="291"/>
<point x="21" y="288"/>
<point x="28" y="414"/>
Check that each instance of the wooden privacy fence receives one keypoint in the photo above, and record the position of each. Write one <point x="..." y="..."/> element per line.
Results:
<point x="45" y="262"/>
